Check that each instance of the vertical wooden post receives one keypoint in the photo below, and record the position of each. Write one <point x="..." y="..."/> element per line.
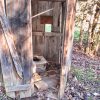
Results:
<point x="68" y="43"/>
<point x="26" y="46"/>
<point x="26" y="51"/>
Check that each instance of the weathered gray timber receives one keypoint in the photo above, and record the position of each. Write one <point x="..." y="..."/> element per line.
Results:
<point x="20" y="20"/>
<point x="18" y="88"/>
<point x="6" y="65"/>
<point x="46" y="42"/>
<point x="9" y="39"/>
<point x="16" y="50"/>
<point x="67" y="45"/>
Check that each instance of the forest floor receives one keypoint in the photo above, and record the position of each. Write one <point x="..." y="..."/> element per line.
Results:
<point x="83" y="80"/>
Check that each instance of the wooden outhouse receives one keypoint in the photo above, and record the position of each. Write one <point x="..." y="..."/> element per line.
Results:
<point x="36" y="39"/>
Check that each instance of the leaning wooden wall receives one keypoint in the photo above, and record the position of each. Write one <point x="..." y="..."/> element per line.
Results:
<point x="18" y="12"/>
<point x="19" y="34"/>
<point x="46" y="44"/>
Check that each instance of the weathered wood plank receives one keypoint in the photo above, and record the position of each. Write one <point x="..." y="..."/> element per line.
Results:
<point x="34" y="12"/>
<point x="23" y="39"/>
<point x="20" y="20"/>
<point x="18" y="88"/>
<point x="46" y="34"/>
<point x="48" y="47"/>
<point x="10" y="74"/>
<point x="10" y="77"/>
<point x="54" y="0"/>
<point x="25" y="94"/>
<point x="6" y="65"/>
<point x="1" y="75"/>
<point x="38" y="8"/>
<point x="41" y="85"/>
<point x="60" y="0"/>
<point x="47" y="43"/>
<point x="56" y="16"/>
<point x="8" y="35"/>
<point x="68" y="43"/>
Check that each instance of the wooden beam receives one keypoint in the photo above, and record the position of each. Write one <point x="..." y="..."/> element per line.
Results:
<point x="42" y="13"/>
<point x="82" y="0"/>
<point x="18" y="88"/>
<point x="54" y="0"/>
<point x="60" y="0"/>
<point x="47" y="34"/>
<point x="68" y="43"/>
<point x="27" y="47"/>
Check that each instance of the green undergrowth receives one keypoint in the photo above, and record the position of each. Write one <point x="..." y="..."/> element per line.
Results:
<point x="87" y="77"/>
<point x="85" y="74"/>
<point x="76" y="34"/>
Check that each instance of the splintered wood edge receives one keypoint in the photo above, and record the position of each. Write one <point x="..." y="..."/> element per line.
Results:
<point x="41" y="85"/>
<point x="18" y="88"/>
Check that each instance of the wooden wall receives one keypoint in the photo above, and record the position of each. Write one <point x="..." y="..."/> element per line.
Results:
<point x="19" y="15"/>
<point x="46" y="44"/>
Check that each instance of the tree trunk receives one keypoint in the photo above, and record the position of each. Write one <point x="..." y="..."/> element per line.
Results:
<point x="93" y="23"/>
<point x="96" y="52"/>
<point x="81" y="34"/>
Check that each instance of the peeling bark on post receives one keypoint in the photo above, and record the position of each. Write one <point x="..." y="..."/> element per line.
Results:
<point x="68" y="43"/>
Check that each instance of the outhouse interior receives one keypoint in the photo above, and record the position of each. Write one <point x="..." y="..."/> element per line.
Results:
<point x="31" y="53"/>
